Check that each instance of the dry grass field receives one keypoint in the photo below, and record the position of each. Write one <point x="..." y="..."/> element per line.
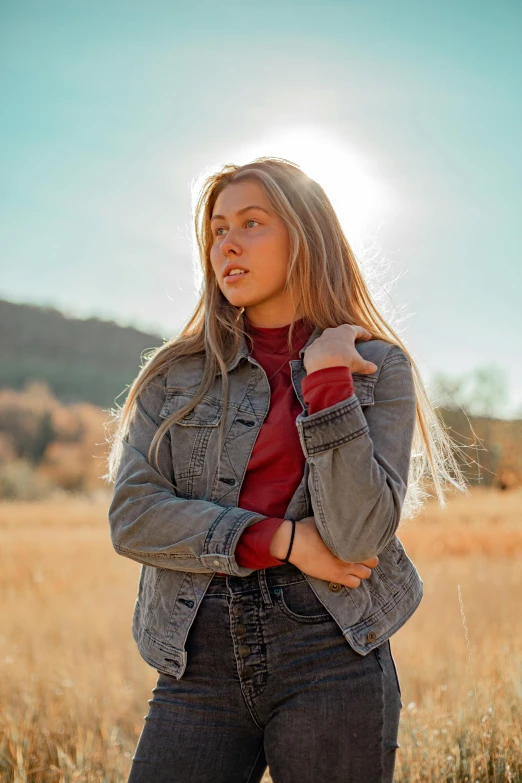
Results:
<point x="74" y="690"/>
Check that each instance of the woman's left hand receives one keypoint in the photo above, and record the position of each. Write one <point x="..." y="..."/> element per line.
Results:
<point x="336" y="347"/>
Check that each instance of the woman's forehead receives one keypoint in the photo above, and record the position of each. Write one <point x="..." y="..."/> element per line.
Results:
<point x="238" y="195"/>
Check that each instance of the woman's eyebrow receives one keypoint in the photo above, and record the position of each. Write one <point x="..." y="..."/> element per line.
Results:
<point x="240" y="212"/>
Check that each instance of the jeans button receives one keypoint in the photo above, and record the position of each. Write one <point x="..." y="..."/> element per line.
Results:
<point x="241" y="630"/>
<point x="335" y="587"/>
<point x="244" y="650"/>
<point x="237" y="610"/>
<point x="248" y="671"/>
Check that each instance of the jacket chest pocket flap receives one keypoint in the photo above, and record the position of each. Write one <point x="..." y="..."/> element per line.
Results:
<point x="207" y="412"/>
<point x="192" y="435"/>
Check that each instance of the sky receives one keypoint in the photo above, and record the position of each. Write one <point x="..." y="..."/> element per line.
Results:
<point x="408" y="113"/>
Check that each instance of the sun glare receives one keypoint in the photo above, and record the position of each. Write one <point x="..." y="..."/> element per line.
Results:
<point x="351" y="180"/>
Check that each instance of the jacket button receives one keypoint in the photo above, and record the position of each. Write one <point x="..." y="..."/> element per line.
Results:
<point x="244" y="650"/>
<point x="241" y="630"/>
<point x="237" y="610"/>
<point x="248" y="671"/>
<point x="216" y="562"/>
<point x="335" y="587"/>
<point x="372" y="636"/>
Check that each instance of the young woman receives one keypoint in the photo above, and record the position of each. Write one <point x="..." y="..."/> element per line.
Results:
<point x="261" y="464"/>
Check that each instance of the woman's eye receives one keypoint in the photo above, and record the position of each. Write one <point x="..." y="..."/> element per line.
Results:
<point x="247" y="224"/>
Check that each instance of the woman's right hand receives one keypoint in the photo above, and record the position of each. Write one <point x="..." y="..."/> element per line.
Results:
<point x="311" y="555"/>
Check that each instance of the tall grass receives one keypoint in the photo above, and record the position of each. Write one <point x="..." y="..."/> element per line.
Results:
<point x="74" y="690"/>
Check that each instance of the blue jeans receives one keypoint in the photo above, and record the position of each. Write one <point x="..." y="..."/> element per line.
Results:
<point x="270" y="680"/>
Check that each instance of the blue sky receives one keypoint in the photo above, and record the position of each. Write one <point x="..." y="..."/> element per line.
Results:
<point x="408" y="112"/>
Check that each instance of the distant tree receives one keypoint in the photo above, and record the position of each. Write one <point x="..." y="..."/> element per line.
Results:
<point x="481" y="392"/>
<point x="473" y="407"/>
<point x="44" y="435"/>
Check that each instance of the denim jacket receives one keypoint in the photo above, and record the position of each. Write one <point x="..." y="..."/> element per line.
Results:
<point x="354" y="483"/>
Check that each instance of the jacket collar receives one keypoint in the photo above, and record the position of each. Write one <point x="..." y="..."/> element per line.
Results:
<point x="243" y="350"/>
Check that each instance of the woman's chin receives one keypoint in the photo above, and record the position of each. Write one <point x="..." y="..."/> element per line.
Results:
<point x="240" y="300"/>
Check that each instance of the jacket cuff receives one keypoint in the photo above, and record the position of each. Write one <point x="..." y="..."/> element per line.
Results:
<point x="220" y="543"/>
<point x="331" y="427"/>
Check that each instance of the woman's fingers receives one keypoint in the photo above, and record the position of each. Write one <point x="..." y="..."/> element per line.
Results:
<point x="312" y="556"/>
<point x="354" y="573"/>
<point x="361" y="333"/>
<point x="358" y="364"/>
<point x="360" y="570"/>
<point x="371" y="562"/>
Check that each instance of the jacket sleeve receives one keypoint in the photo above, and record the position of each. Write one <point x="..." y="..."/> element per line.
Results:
<point x="359" y="460"/>
<point x="149" y="523"/>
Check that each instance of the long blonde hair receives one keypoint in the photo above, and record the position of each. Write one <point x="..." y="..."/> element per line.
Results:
<point x="328" y="289"/>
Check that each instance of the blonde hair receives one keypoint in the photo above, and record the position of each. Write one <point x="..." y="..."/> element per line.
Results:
<point x="327" y="288"/>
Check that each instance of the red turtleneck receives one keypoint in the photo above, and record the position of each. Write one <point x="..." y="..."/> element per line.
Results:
<point x="277" y="462"/>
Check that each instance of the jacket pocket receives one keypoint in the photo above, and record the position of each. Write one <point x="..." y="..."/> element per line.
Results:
<point x="191" y="435"/>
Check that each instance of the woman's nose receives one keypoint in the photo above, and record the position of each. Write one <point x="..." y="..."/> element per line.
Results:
<point x="229" y="245"/>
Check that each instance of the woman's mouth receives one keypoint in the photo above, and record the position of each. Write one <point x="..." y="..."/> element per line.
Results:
<point x="235" y="277"/>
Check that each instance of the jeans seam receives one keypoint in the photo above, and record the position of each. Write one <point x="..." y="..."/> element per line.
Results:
<point x="255" y="763"/>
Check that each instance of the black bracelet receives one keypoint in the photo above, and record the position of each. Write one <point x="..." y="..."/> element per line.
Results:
<point x="285" y="559"/>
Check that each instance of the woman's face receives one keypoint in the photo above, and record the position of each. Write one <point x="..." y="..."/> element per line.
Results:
<point x="248" y="235"/>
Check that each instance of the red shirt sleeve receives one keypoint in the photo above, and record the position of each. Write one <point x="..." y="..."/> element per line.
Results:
<point x="326" y="387"/>
<point x="253" y="547"/>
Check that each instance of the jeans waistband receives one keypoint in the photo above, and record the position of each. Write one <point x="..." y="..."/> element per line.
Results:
<point x="276" y="575"/>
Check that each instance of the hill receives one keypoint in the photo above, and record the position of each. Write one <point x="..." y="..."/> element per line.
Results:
<point x="81" y="360"/>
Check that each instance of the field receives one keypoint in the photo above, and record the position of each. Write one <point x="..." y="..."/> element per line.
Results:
<point x="74" y="690"/>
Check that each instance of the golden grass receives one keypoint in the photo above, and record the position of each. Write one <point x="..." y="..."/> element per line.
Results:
<point x="74" y="690"/>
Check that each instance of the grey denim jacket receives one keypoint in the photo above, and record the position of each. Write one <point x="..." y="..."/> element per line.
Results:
<point x="354" y="483"/>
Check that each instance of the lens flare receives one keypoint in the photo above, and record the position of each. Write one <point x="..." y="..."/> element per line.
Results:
<point x="351" y="180"/>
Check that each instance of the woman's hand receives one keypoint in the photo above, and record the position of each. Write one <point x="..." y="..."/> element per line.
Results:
<point x="336" y="347"/>
<point x="311" y="555"/>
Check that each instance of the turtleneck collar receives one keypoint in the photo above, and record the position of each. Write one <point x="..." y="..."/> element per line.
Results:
<point x="274" y="338"/>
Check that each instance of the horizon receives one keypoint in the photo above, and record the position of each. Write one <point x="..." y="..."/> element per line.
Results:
<point x="467" y="394"/>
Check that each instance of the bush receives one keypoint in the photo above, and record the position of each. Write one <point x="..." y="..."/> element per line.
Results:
<point x="20" y="481"/>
